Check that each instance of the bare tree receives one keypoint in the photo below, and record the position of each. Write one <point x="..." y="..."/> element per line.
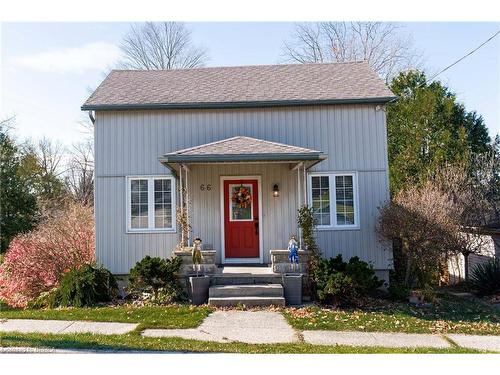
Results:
<point x="50" y="155"/>
<point x="383" y="45"/>
<point x="165" y="45"/>
<point x="419" y="217"/>
<point x="474" y="203"/>
<point x="79" y="178"/>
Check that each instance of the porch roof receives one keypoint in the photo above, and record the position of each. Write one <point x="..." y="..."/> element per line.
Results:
<point x="242" y="149"/>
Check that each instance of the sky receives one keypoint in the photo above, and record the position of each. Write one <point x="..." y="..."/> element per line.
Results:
<point x="47" y="70"/>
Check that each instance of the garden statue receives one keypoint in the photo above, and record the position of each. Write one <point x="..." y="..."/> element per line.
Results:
<point x="293" y="252"/>
<point x="196" y="253"/>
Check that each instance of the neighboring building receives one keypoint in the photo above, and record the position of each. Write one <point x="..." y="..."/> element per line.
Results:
<point x="490" y="241"/>
<point x="312" y="133"/>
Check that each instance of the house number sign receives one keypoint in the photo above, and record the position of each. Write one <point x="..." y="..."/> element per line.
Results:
<point x="206" y="187"/>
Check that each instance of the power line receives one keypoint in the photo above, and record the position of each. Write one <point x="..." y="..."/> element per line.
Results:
<point x="464" y="57"/>
<point x="456" y="62"/>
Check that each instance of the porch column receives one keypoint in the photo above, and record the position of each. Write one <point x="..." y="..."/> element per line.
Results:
<point x="187" y="206"/>
<point x="305" y="183"/>
<point x="299" y="201"/>
<point x="184" y="187"/>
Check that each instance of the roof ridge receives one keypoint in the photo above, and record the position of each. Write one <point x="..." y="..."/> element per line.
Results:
<point x="242" y="66"/>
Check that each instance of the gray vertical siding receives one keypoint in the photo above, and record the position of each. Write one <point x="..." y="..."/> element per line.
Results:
<point x="130" y="142"/>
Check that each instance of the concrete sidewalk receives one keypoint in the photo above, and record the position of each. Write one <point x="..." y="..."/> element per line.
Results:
<point x="258" y="327"/>
<point x="253" y="327"/>
<point x="65" y="326"/>
<point x="384" y="339"/>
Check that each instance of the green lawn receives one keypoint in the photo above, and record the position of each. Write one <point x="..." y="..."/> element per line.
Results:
<point x="449" y="315"/>
<point x="133" y="341"/>
<point x="173" y="316"/>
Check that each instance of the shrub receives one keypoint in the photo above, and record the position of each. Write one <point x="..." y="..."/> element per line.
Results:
<point x="338" y="287"/>
<point x="85" y="286"/>
<point x="398" y="291"/>
<point x="35" y="262"/>
<point x="363" y="276"/>
<point x="337" y="281"/>
<point x="155" y="273"/>
<point x="429" y="294"/>
<point x="485" y="277"/>
<point x="421" y="219"/>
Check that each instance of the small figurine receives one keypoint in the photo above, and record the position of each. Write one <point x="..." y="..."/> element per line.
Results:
<point x="293" y="249"/>
<point x="196" y="253"/>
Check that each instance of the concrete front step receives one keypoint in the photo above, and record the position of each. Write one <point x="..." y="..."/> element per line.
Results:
<point x="256" y="290"/>
<point x="244" y="279"/>
<point x="247" y="301"/>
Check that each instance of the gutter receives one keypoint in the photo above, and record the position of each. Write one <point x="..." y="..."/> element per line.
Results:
<point x="240" y="157"/>
<point x="249" y="104"/>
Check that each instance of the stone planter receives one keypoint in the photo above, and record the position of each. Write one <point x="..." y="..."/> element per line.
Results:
<point x="281" y="264"/>
<point x="199" y="289"/>
<point x="292" y="285"/>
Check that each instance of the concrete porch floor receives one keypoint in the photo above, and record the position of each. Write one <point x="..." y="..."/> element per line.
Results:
<point x="227" y="270"/>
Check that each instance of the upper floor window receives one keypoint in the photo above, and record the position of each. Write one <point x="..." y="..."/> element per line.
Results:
<point x="334" y="199"/>
<point x="150" y="203"/>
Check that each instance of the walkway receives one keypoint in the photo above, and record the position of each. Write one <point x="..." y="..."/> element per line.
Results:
<point x="258" y="327"/>
<point x="65" y="326"/>
<point x="253" y="327"/>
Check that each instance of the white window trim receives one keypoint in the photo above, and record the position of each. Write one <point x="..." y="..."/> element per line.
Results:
<point x="333" y="199"/>
<point x="151" y="217"/>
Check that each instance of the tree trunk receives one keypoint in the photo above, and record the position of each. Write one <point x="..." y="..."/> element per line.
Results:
<point x="466" y="266"/>
<point x="404" y="246"/>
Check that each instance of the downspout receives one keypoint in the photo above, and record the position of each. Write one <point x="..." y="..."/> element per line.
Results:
<point x="92" y="117"/>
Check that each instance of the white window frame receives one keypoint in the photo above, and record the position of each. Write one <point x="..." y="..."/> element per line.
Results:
<point x="151" y="194"/>
<point x="333" y="199"/>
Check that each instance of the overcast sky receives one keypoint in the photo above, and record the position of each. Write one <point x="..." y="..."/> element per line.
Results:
<point x="49" y="69"/>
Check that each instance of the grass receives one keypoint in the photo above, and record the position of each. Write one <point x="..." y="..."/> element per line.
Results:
<point x="173" y="316"/>
<point x="133" y="341"/>
<point x="448" y="315"/>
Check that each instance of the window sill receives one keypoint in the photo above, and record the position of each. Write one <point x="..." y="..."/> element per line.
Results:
<point x="321" y="229"/>
<point x="149" y="231"/>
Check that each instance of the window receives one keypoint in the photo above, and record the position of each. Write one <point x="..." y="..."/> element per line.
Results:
<point x="320" y="187"/>
<point x="244" y="212"/>
<point x="344" y="200"/>
<point x="333" y="198"/>
<point x="150" y="204"/>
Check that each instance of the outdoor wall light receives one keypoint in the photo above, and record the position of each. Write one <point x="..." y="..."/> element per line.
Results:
<point x="276" y="191"/>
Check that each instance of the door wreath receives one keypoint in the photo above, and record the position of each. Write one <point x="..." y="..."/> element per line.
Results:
<point x="242" y="197"/>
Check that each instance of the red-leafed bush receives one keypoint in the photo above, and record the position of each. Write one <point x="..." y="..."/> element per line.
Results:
<point x="35" y="262"/>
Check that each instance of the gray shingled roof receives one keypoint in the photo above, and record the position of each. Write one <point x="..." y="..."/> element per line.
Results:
<point x="242" y="86"/>
<point x="241" y="149"/>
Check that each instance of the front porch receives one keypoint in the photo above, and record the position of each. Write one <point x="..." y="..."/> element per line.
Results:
<point x="249" y="285"/>
<point x="240" y="196"/>
<point x="273" y="175"/>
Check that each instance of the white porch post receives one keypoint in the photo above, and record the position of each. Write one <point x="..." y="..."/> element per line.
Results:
<point x="180" y="186"/>
<point x="187" y="206"/>
<point x="299" y="198"/>
<point x="305" y="184"/>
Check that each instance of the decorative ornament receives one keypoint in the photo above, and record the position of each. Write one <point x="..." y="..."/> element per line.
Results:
<point x="242" y="197"/>
<point x="293" y="251"/>
<point x="196" y="254"/>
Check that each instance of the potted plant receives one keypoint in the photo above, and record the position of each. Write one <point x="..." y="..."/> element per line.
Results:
<point x="199" y="283"/>
<point x="292" y="282"/>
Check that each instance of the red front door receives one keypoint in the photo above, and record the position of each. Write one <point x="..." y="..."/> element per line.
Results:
<point x="241" y="218"/>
